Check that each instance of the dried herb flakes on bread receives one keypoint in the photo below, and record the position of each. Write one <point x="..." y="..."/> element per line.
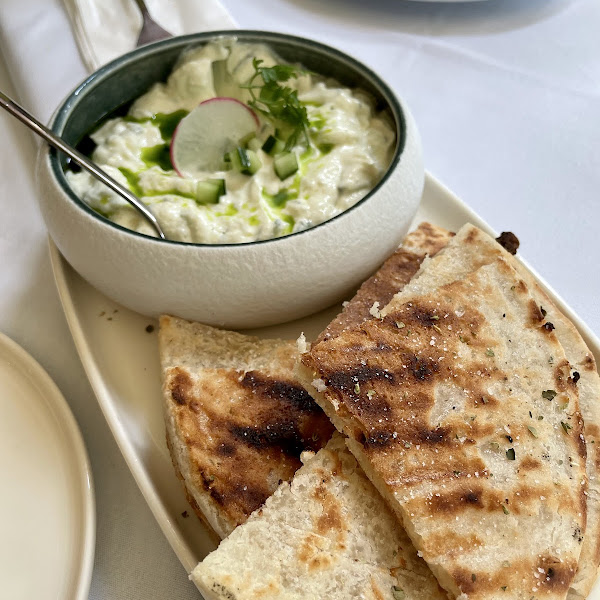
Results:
<point x="440" y="399"/>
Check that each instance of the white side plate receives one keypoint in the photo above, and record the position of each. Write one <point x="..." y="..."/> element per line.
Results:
<point x="47" y="509"/>
<point x="121" y="359"/>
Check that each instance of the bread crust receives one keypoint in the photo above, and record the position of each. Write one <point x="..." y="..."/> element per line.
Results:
<point x="426" y="240"/>
<point x="327" y="534"/>
<point x="320" y="368"/>
<point x="236" y="418"/>
<point x="473" y="249"/>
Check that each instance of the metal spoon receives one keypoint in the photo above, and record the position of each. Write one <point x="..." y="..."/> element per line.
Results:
<point x="20" y="113"/>
<point x="151" y="31"/>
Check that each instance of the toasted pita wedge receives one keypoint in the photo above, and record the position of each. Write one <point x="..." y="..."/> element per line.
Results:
<point x="471" y="249"/>
<point x="392" y="276"/>
<point x="201" y="362"/>
<point x="327" y="534"/>
<point x="441" y="399"/>
<point x="237" y="420"/>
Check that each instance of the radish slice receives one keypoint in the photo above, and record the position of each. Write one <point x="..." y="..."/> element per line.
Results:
<point x="213" y="128"/>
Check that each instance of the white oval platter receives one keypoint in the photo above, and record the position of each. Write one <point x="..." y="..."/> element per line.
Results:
<point x="120" y="357"/>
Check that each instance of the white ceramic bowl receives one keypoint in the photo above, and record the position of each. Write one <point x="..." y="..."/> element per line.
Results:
<point x="235" y="285"/>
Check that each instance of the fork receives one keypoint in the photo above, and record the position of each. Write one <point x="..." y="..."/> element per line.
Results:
<point x="151" y="31"/>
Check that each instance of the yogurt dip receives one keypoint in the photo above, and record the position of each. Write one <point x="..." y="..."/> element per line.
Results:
<point x="347" y="150"/>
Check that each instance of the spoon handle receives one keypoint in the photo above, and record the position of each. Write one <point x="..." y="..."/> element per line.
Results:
<point x="27" y="119"/>
<point x="151" y="31"/>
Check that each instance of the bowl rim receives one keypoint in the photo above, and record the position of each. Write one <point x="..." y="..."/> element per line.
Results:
<point x="61" y="116"/>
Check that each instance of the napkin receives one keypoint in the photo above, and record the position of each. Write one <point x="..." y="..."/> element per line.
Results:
<point x="105" y="29"/>
<point x="40" y="39"/>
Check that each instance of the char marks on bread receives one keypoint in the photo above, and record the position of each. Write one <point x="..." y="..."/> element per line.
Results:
<point x="236" y="416"/>
<point x="473" y="249"/>
<point x="237" y="420"/>
<point x="441" y="395"/>
<point x="426" y="240"/>
<point x="327" y="534"/>
<point x="461" y="387"/>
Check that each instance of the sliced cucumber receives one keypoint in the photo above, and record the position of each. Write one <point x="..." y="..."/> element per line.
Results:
<point x="209" y="192"/>
<point x="285" y="164"/>
<point x="245" y="161"/>
<point x="273" y="146"/>
<point x="255" y="162"/>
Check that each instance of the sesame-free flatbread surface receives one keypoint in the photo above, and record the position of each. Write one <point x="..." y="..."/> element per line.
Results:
<point x="470" y="250"/>
<point x="461" y="407"/>
<point x="327" y="534"/>
<point x="237" y="420"/>
<point x="426" y="240"/>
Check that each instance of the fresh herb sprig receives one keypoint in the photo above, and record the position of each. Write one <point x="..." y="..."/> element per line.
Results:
<point x="278" y="102"/>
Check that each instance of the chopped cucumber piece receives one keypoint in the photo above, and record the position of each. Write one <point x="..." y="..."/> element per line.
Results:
<point x="254" y="144"/>
<point x="272" y="146"/>
<point x="221" y="184"/>
<point x="240" y="159"/>
<point x="245" y="161"/>
<point x="280" y="198"/>
<point x="285" y="164"/>
<point x="209" y="192"/>
<point x="247" y="139"/>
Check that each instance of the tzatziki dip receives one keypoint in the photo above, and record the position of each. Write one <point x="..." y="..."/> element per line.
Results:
<point x="237" y="146"/>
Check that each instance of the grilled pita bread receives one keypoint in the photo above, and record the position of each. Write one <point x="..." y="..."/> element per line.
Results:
<point x="588" y="384"/>
<point x="202" y="367"/>
<point x="392" y="276"/>
<point x="471" y="249"/>
<point x="327" y="534"/>
<point x="236" y="418"/>
<point x="441" y="399"/>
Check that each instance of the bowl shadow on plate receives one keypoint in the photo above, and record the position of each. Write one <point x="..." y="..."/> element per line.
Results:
<point x="438" y="18"/>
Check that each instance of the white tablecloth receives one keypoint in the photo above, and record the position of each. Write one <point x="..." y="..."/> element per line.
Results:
<point x="506" y="94"/>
